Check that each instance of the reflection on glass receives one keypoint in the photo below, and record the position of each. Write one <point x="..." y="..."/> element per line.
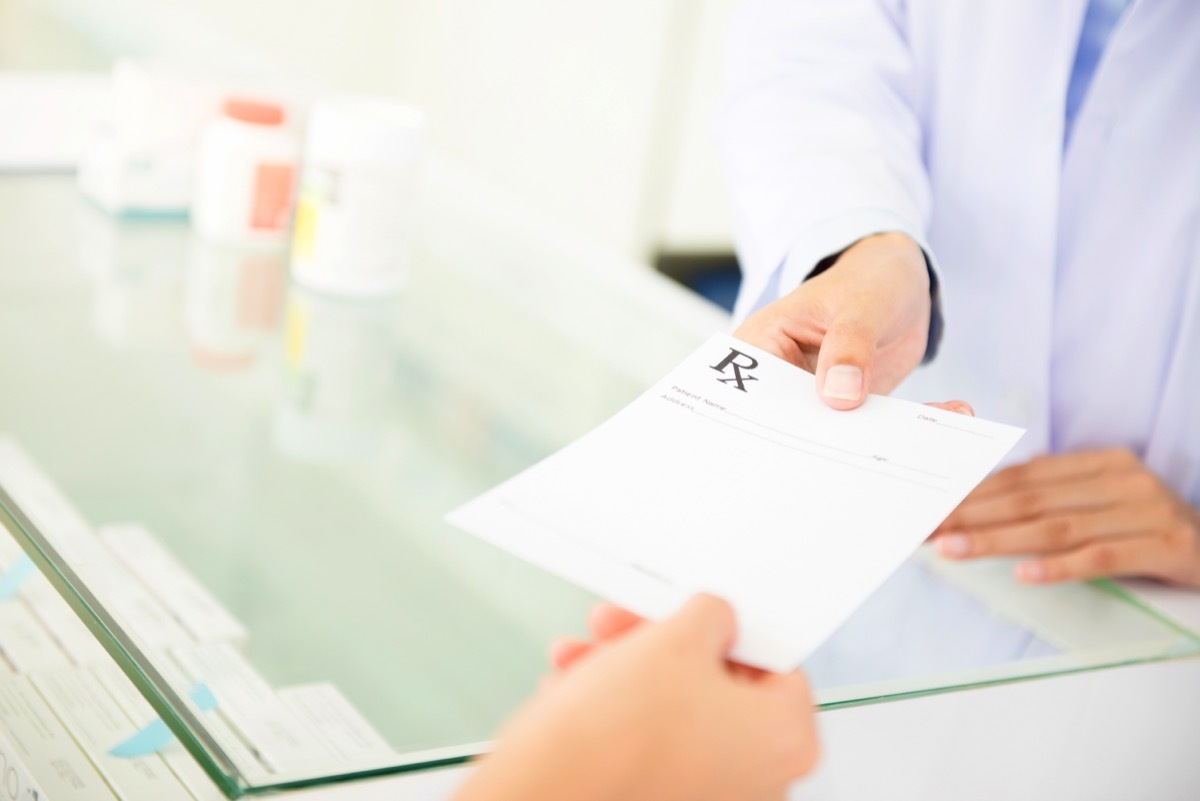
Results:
<point x="918" y="624"/>
<point x="135" y="266"/>
<point x="338" y="364"/>
<point x="231" y="303"/>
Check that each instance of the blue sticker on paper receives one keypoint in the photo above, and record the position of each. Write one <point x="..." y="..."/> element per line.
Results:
<point x="15" y="577"/>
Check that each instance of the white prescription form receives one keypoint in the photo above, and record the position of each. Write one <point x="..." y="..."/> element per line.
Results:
<point x="731" y="476"/>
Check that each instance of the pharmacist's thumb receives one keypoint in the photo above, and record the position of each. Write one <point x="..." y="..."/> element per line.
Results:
<point x="706" y="624"/>
<point x="844" y="363"/>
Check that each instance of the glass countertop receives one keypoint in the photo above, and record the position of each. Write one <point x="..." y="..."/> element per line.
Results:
<point x="293" y="454"/>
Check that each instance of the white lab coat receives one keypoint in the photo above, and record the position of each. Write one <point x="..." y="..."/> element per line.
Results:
<point x="1070" y="281"/>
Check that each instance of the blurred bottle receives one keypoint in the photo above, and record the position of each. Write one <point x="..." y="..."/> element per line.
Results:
<point x="232" y="300"/>
<point x="354" y="214"/>
<point x="339" y="373"/>
<point x="136" y="268"/>
<point x="245" y="175"/>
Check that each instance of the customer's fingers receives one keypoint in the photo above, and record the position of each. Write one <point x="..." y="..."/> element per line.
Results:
<point x="607" y="621"/>
<point x="790" y="697"/>
<point x="747" y="672"/>
<point x="705" y="623"/>
<point x="567" y="651"/>
<point x="792" y="687"/>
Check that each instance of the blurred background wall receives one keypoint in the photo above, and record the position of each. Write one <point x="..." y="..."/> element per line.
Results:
<point x="598" y="114"/>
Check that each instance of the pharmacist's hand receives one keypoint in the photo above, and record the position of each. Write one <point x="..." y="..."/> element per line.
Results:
<point x="859" y="326"/>
<point x="1080" y="515"/>
<point x="656" y="713"/>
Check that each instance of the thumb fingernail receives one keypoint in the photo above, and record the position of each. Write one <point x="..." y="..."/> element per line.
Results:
<point x="843" y="382"/>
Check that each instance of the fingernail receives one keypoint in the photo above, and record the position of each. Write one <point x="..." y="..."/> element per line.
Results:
<point x="964" y="408"/>
<point x="954" y="545"/>
<point x="843" y="382"/>
<point x="1031" y="572"/>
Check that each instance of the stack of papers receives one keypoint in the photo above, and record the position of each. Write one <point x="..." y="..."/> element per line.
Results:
<point x="731" y="476"/>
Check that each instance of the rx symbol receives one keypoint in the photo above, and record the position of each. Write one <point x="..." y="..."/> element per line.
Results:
<point x="741" y="369"/>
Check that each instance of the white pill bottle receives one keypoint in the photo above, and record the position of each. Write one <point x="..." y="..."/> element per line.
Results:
<point x="354" y="213"/>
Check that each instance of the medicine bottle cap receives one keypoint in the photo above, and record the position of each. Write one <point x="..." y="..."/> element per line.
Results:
<point x="253" y="112"/>
<point x="364" y="129"/>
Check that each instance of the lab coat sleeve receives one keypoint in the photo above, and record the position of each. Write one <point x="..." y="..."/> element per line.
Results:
<point x="819" y="138"/>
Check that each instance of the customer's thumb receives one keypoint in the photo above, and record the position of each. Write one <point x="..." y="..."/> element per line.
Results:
<point x="844" y="363"/>
<point x="705" y="623"/>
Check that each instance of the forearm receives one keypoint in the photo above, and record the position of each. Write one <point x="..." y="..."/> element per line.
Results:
<point x="820" y="138"/>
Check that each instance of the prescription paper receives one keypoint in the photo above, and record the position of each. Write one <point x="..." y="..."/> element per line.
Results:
<point x="731" y="476"/>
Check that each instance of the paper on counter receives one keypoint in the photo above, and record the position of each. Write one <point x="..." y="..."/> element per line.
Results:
<point x="141" y="614"/>
<point x="25" y="643"/>
<point x="272" y="731"/>
<point x="341" y="726"/>
<point x="191" y="604"/>
<point x="96" y="723"/>
<point x="60" y="620"/>
<point x="135" y="707"/>
<point x="45" y="747"/>
<point x="228" y="740"/>
<point x="731" y="476"/>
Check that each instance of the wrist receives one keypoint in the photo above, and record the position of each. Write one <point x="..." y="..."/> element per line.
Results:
<point x="543" y="758"/>
<point x="891" y="248"/>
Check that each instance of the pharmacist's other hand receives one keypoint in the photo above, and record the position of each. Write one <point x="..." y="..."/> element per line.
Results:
<point x="1079" y="515"/>
<point x="956" y="406"/>
<point x="655" y="712"/>
<point x="860" y="326"/>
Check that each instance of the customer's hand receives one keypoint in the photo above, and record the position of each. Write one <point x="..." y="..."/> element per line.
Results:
<point x="654" y="712"/>
<point x="859" y="326"/>
<point x="1082" y="515"/>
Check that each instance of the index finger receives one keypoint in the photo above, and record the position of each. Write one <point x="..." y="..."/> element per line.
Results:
<point x="1048" y="469"/>
<point x="607" y="621"/>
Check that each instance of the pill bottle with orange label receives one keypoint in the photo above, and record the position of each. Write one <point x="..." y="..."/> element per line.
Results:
<point x="246" y="175"/>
